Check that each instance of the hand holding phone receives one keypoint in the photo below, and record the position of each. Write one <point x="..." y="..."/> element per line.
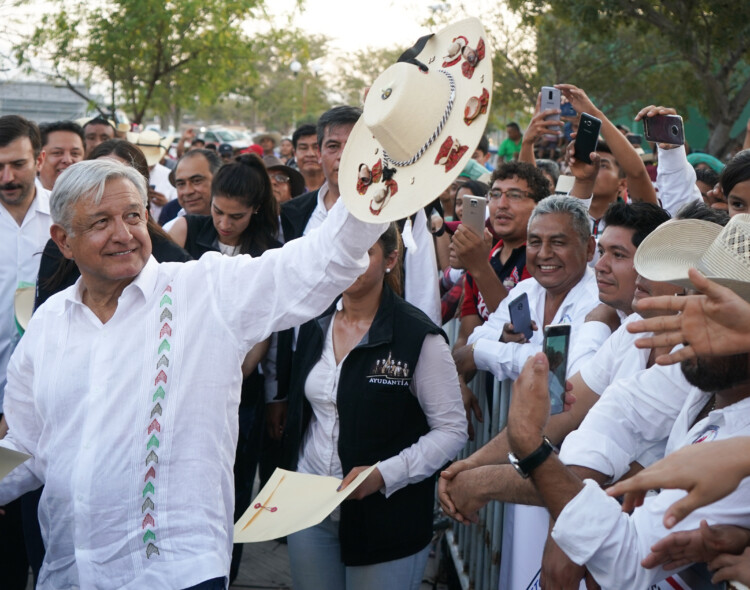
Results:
<point x="664" y="129"/>
<point x="520" y="316"/>
<point x="551" y="101"/>
<point x="556" y="344"/>
<point x="474" y="213"/>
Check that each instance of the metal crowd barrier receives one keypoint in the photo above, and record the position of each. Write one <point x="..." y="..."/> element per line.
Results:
<point x="475" y="549"/>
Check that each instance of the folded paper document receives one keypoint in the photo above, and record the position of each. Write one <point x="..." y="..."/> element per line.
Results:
<point x="290" y="502"/>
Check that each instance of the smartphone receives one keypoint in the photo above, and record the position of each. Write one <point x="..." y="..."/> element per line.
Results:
<point x="474" y="214"/>
<point x="551" y="100"/>
<point x="556" y="344"/>
<point x="664" y="129"/>
<point x="587" y="138"/>
<point x="520" y="316"/>
<point x="567" y="110"/>
<point x="635" y="139"/>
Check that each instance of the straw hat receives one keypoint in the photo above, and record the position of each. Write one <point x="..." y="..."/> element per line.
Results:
<point x="720" y="253"/>
<point x="422" y="121"/>
<point x="151" y="144"/>
<point x="273" y="135"/>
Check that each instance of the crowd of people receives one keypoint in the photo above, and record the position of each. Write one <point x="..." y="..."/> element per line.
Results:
<point x="204" y="318"/>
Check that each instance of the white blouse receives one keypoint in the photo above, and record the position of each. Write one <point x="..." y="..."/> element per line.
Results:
<point x="435" y="384"/>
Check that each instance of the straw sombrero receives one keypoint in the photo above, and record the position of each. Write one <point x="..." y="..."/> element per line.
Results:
<point x="720" y="253"/>
<point x="422" y="120"/>
<point x="151" y="144"/>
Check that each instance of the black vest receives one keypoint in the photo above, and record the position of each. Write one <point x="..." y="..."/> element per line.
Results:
<point x="379" y="417"/>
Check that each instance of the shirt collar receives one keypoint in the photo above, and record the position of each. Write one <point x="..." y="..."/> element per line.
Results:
<point x="144" y="282"/>
<point x="322" y="192"/>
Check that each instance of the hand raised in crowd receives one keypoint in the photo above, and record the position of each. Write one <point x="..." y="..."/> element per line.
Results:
<point x="712" y="324"/>
<point x="373" y="483"/>
<point x="731" y="568"/>
<point x="471" y="406"/>
<point x="473" y="251"/>
<point x="559" y="571"/>
<point x="582" y="171"/>
<point x="708" y="472"/>
<point x="651" y="111"/>
<point x="697" y="546"/>
<point x="157" y="198"/>
<point x="538" y="126"/>
<point x="510" y="335"/>
<point x="578" y="99"/>
<point x="276" y="419"/>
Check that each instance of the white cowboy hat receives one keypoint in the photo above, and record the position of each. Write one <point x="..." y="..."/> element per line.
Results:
<point x="422" y="120"/>
<point x="151" y="144"/>
<point x="720" y="253"/>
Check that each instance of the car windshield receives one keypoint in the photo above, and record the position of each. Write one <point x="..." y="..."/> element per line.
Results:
<point x="226" y="135"/>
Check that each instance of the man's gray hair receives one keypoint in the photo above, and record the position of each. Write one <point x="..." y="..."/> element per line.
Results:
<point x="572" y="206"/>
<point x="86" y="180"/>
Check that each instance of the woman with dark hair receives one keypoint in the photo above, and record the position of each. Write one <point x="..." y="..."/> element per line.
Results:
<point x="243" y="213"/>
<point x="57" y="273"/>
<point x="372" y="380"/>
<point x="243" y="221"/>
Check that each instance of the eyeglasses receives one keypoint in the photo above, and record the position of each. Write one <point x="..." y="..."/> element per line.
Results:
<point x="279" y="178"/>
<point x="513" y="194"/>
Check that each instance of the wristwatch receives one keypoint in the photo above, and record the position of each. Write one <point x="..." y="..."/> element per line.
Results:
<point x="526" y="465"/>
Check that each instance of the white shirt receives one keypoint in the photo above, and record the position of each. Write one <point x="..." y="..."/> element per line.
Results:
<point x="631" y="416"/>
<point x="159" y="178"/>
<point x="617" y="358"/>
<point x="612" y="544"/>
<point x="675" y="180"/>
<point x="435" y="385"/>
<point x="132" y="424"/>
<point x="505" y="360"/>
<point x="21" y="251"/>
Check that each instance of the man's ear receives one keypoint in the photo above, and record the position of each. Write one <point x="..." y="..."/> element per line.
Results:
<point x="40" y="160"/>
<point x="61" y="237"/>
<point x="590" y="248"/>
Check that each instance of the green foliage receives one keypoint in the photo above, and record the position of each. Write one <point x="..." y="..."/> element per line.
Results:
<point x="153" y="52"/>
<point x="691" y="51"/>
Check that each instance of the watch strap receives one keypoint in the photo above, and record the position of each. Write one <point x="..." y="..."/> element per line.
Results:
<point x="526" y="465"/>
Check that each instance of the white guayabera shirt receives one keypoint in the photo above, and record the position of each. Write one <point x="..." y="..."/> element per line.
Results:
<point x="133" y="425"/>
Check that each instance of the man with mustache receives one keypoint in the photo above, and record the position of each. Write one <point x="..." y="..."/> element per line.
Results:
<point x="24" y="229"/>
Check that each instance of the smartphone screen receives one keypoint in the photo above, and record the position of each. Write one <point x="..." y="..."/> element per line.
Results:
<point x="473" y="214"/>
<point x="587" y="138"/>
<point x="556" y="342"/>
<point x="520" y="316"/>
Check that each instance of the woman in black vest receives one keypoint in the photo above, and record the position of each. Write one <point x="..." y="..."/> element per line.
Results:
<point x="372" y="380"/>
<point x="242" y="221"/>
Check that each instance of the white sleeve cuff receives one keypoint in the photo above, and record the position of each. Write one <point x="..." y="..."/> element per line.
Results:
<point x="595" y="451"/>
<point x="578" y="534"/>
<point x="486" y="353"/>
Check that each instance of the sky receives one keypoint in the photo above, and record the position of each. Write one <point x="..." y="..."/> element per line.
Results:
<point x="359" y="24"/>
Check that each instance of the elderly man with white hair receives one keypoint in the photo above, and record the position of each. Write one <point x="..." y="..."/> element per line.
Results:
<point x="125" y="388"/>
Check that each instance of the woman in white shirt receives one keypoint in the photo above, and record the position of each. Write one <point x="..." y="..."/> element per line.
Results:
<point x="372" y="380"/>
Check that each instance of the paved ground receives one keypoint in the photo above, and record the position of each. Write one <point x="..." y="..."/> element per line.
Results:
<point x="266" y="566"/>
